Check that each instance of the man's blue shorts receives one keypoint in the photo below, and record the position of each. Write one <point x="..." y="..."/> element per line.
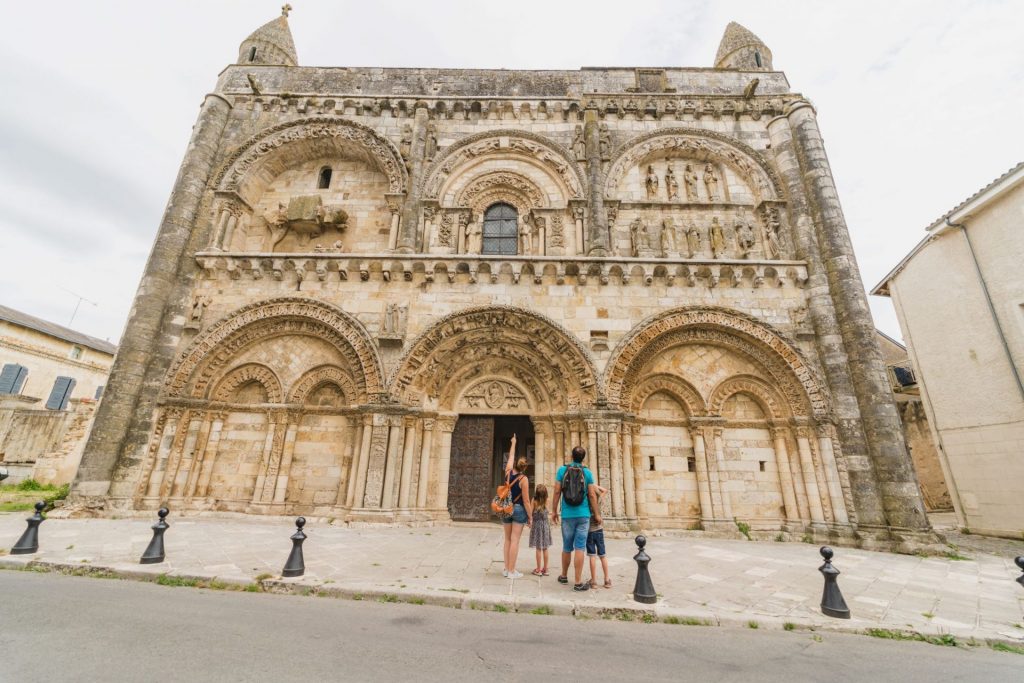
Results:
<point x="574" y="533"/>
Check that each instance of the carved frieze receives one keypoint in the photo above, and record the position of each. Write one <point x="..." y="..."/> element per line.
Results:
<point x="494" y="394"/>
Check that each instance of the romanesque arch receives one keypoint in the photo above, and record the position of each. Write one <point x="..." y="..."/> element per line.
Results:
<point x="529" y="147"/>
<point x="263" y="156"/>
<point x="244" y="374"/>
<point x="743" y="334"/>
<point x="772" y="404"/>
<point x="681" y="390"/>
<point x="549" y="361"/>
<point x="318" y="377"/>
<point x="699" y="144"/>
<point x="210" y="352"/>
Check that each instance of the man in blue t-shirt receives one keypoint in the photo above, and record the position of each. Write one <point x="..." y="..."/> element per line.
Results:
<point x="575" y="520"/>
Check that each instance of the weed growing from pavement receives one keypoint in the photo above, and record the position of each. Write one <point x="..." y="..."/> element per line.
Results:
<point x="744" y="528"/>
<point x="928" y="615"/>
<point x="543" y="609"/>
<point x="788" y="626"/>
<point x="686" y="621"/>
<point x="263" y="576"/>
<point x="888" y="634"/>
<point x="357" y="596"/>
<point x="816" y="638"/>
<point x="500" y="608"/>
<point x="388" y="598"/>
<point x="253" y="588"/>
<point x="753" y="624"/>
<point x="417" y="601"/>
<point x="779" y="538"/>
<point x="649" y="619"/>
<point x="1006" y="647"/>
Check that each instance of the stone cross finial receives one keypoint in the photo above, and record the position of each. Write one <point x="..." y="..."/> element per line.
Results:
<point x="285" y="9"/>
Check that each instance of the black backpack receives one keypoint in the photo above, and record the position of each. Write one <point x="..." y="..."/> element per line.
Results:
<point x="574" y="485"/>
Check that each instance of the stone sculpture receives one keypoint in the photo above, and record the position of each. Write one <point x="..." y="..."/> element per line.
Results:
<point x="668" y="237"/>
<point x="744" y="236"/>
<point x="694" y="240"/>
<point x="671" y="184"/>
<point x="474" y="237"/>
<point x="651" y="183"/>
<point x="718" y="244"/>
<point x="579" y="145"/>
<point x="711" y="182"/>
<point x="690" y="181"/>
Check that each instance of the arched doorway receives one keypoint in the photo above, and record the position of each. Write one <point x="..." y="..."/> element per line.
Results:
<point x="479" y="449"/>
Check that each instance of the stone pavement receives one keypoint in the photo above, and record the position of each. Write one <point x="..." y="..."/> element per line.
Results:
<point x="698" y="579"/>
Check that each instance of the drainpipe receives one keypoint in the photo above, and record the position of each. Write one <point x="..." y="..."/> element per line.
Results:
<point x="991" y="306"/>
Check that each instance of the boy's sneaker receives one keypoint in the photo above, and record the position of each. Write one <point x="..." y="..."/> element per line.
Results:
<point x="563" y="579"/>
<point x="580" y="587"/>
<point x="515" y="575"/>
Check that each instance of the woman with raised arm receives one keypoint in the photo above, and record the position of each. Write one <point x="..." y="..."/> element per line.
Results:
<point x="522" y="513"/>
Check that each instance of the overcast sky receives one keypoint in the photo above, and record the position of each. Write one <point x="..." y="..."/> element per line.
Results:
<point x="920" y="104"/>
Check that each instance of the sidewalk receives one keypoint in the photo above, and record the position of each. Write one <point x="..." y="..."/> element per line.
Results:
<point x="699" y="580"/>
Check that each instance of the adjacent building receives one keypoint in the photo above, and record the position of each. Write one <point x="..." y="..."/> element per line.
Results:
<point x="959" y="298"/>
<point x="368" y="279"/>
<point x="51" y="378"/>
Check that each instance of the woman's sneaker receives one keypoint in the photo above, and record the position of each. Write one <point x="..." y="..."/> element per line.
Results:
<point x="504" y="572"/>
<point x="580" y="587"/>
<point x="515" y="575"/>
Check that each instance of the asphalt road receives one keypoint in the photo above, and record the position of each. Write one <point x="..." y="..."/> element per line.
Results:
<point x="59" y="628"/>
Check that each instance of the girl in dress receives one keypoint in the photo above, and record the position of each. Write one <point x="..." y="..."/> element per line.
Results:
<point x="540" y="532"/>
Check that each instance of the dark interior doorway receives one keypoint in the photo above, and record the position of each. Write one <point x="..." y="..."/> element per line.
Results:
<point x="479" y="448"/>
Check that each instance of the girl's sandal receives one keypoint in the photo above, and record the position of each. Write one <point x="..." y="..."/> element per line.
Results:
<point x="608" y="583"/>
<point x="537" y="572"/>
<point x="544" y="572"/>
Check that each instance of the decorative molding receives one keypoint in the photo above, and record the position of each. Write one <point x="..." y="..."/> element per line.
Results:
<point x="250" y="372"/>
<point x="773" y="405"/>
<point x="318" y="376"/>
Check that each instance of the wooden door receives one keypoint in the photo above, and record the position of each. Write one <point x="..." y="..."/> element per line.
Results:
<point x="470" y="487"/>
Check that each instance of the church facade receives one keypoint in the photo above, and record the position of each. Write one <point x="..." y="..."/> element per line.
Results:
<point x="367" y="280"/>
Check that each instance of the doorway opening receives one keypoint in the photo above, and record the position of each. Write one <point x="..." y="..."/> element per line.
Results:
<point x="479" y="448"/>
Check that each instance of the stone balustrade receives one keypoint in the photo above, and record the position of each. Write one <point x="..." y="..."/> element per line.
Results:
<point x="475" y="268"/>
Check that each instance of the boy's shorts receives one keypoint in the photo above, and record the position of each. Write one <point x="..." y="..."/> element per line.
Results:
<point x="595" y="543"/>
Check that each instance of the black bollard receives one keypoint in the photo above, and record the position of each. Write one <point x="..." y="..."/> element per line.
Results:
<point x="155" y="550"/>
<point x="832" y="603"/>
<point x="29" y="541"/>
<point x="1019" y="561"/>
<point x="643" y="590"/>
<point x="296" y="566"/>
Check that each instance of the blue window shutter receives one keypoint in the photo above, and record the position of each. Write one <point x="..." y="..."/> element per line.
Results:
<point x="12" y="378"/>
<point x="99" y="392"/>
<point x="60" y="394"/>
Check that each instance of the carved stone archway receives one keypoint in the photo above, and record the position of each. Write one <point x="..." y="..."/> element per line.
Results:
<point x="532" y="148"/>
<point x="773" y="405"/>
<point x="243" y="374"/>
<point x="273" y="150"/>
<point x="548" y="354"/>
<point x="804" y="392"/>
<point x="702" y="144"/>
<point x="195" y="369"/>
<point x="318" y="376"/>
<point x="678" y="388"/>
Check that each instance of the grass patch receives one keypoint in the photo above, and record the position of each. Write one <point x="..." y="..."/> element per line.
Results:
<point x="30" y="485"/>
<point x="417" y="601"/>
<point x="357" y="596"/>
<point x="500" y="608"/>
<point x="779" y="538"/>
<point x="263" y="576"/>
<point x="15" y="506"/>
<point x="928" y="615"/>
<point x="543" y="609"/>
<point x="789" y="626"/>
<point x="176" y="581"/>
<point x="816" y="638"/>
<point x="946" y="639"/>
<point x="1005" y="647"/>
<point x="753" y="624"/>
<point x="806" y="538"/>
<point x="456" y="590"/>
<point x="387" y="597"/>
<point x="954" y="555"/>
<point x="743" y="527"/>
<point x="686" y="621"/>
<point x="649" y="619"/>
<point x="253" y="588"/>
<point x="624" y="616"/>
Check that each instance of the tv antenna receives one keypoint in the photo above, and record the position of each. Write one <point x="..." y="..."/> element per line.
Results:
<point x="77" y="304"/>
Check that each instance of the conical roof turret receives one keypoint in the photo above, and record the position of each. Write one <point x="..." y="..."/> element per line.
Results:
<point x="741" y="49"/>
<point x="270" y="44"/>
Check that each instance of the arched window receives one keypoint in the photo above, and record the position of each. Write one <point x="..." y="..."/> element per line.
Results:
<point x="757" y="58"/>
<point x="501" y="230"/>
<point x="252" y="54"/>
<point x="324" y="181"/>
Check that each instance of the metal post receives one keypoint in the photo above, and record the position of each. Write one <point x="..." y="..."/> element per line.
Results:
<point x="154" y="553"/>
<point x="643" y="590"/>
<point x="832" y="603"/>
<point x="29" y="541"/>
<point x="1019" y="561"/>
<point x="296" y="565"/>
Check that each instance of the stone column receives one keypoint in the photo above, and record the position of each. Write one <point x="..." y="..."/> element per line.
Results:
<point x="893" y="470"/>
<point x="560" y="449"/>
<point x="447" y="426"/>
<point x="407" y="458"/>
<point x="355" y="429"/>
<point x="210" y="455"/>
<point x="615" y="455"/>
<point x="707" y="512"/>
<point x="828" y="464"/>
<point x="173" y="421"/>
<point x="187" y="428"/>
<point x="197" y="459"/>
<point x="578" y="213"/>
<point x="425" y="454"/>
<point x="803" y="444"/>
<point x="229" y="230"/>
<point x="540" y="460"/>
<point x="359" y="494"/>
<point x="218" y="233"/>
<point x="592" y="453"/>
<point x="393" y="233"/>
<point x="597" y="235"/>
<point x="266" y="481"/>
<point x="785" y="473"/>
<point x="638" y="483"/>
<point x="284" y="474"/>
<point x="417" y="165"/>
<point x="377" y="460"/>
<point x="719" y="450"/>
<point x="124" y="417"/>
<point x="626" y="435"/>
<point x="394" y="452"/>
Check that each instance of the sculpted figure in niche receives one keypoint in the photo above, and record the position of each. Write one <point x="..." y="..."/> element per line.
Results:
<point x="579" y="145"/>
<point x="711" y="183"/>
<point x="405" y="147"/>
<point x="745" y="236"/>
<point x="694" y="240"/>
<point x="772" y="236"/>
<point x="641" y="238"/>
<point x="474" y="237"/>
<point x="718" y="244"/>
<point x="690" y="180"/>
<point x="431" y="147"/>
<point x="525" y="237"/>
<point x="395" y="317"/>
<point x="652" y="183"/>
<point x="668" y="237"/>
<point x="605" y="142"/>
<point x="671" y="184"/>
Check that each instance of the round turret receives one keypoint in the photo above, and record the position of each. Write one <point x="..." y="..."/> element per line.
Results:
<point x="740" y="49"/>
<point x="270" y="44"/>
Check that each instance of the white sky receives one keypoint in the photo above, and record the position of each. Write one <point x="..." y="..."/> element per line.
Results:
<point x="920" y="104"/>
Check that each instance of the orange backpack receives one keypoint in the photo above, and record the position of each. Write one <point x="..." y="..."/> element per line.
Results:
<point x="502" y="504"/>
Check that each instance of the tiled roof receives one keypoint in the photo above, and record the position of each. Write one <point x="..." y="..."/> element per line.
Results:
<point x="54" y="330"/>
<point x="974" y="196"/>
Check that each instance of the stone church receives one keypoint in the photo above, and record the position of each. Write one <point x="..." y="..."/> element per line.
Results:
<point x="367" y="279"/>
